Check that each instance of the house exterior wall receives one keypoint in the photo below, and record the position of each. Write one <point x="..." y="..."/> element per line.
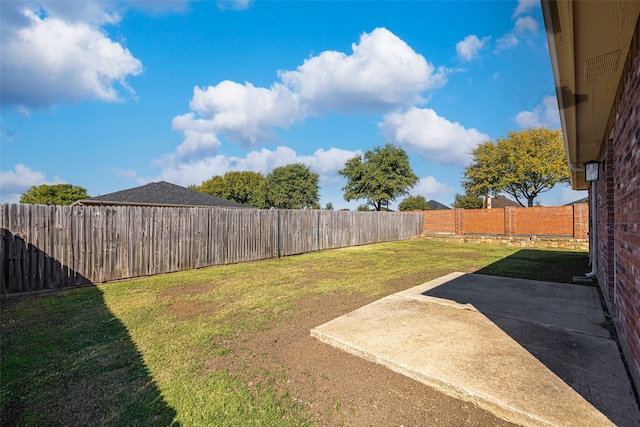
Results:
<point x="605" y="241"/>
<point x="618" y="215"/>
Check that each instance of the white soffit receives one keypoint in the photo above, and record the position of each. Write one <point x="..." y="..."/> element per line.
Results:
<point x="589" y="43"/>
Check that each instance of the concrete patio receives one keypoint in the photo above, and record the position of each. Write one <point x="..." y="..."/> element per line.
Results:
<point x="533" y="353"/>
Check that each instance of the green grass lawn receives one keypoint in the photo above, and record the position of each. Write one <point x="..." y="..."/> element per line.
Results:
<point x="136" y="352"/>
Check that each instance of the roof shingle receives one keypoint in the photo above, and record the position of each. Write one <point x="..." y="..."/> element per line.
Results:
<point x="160" y="194"/>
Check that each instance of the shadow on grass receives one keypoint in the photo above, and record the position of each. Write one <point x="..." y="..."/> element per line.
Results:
<point x="544" y="265"/>
<point x="67" y="360"/>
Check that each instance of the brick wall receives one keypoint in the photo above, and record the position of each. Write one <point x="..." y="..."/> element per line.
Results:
<point x="604" y="244"/>
<point x="561" y="221"/>
<point x="482" y="221"/>
<point x="439" y="222"/>
<point x="618" y="199"/>
<point x="553" y="220"/>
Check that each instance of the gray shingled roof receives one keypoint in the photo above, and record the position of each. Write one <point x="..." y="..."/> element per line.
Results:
<point x="583" y="200"/>
<point x="160" y="194"/>
<point x="501" y="201"/>
<point x="436" y="206"/>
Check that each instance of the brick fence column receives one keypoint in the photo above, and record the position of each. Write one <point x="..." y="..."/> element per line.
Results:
<point x="509" y="221"/>
<point x="459" y="221"/>
<point x="580" y="221"/>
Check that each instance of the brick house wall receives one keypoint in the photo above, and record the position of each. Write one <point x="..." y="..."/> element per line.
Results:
<point x="618" y="214"/>
<point x="606" y="226"/>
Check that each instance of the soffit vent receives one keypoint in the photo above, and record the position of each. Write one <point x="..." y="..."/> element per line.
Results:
<point x="601" y="65"/>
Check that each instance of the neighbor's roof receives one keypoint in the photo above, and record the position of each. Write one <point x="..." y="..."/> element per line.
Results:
<point x="160" y="194"/>
<point x="589" y="43"/>
<point x="503" y="202"/>
<point x="579" y="201"/>
<point x="436" y="206"/>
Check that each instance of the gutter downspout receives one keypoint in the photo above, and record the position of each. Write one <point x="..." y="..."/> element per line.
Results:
<point x="592" y="236"/>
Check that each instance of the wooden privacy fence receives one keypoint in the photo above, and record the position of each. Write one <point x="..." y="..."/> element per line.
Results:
<point x="48" y="247"/>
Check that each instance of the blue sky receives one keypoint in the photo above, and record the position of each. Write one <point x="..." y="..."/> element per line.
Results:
<point x="110" y="95"/>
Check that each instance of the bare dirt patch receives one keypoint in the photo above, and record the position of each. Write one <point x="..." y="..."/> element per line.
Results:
<point x="334" y="386"/>
<point x="187" y="310"/>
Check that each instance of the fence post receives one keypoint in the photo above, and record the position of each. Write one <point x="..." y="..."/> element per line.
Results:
<point x="458" y="219"/>
<point x="509" y="221"/>
<point x="277" y="233"/>
<point x="318" y="240"/>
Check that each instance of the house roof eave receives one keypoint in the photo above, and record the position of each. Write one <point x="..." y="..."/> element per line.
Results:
<point x="588" y="44"/>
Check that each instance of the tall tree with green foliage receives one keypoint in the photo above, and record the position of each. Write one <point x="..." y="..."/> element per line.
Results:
<point x="413" y="203"/>
<point x="524" y="164"/>
<point x="468" y="201"/>
<point x="57" y="194"/>
<point x="381" y="176"/>
<point x="293" y="186"/>
<point x="248" y="188"/>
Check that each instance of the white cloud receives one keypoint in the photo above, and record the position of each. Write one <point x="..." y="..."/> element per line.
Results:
<point x="20" y="179"/>
<point x="88" y="11"/>
<point x="524" y="28"/>
<point x="506" y="42"/>
<point x="525" y="6"/>
<point x="324" y="162"/>
<point x="468" y="48"/>
<point x="526" y="24"/>
<point x="381" y="73"/>
<point x="61" y="54"/>
<point x="430" y="187"/>
<point x="544" y="114"/>
<point x="244" y="113"/>
<point x="433" y="137"/>
<point x="199" y="138"/>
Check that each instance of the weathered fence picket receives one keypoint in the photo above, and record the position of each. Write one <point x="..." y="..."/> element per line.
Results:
<point x="48" y="247"/>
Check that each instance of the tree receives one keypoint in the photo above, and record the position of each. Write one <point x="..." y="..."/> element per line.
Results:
<point x="468" y="201"/>
<point x="243" y="187"/>
<point x="523" y="165"/>
<point x="414" y="203"/>
<point x="293" y="187"/>
<point x="328" y="206"/>
<point x="383" y="175"/>
<point x="363" y="208"/>
<point x="57" y="194"/>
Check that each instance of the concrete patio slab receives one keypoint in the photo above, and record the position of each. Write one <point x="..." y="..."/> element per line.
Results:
<point x="533" y="353"/>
